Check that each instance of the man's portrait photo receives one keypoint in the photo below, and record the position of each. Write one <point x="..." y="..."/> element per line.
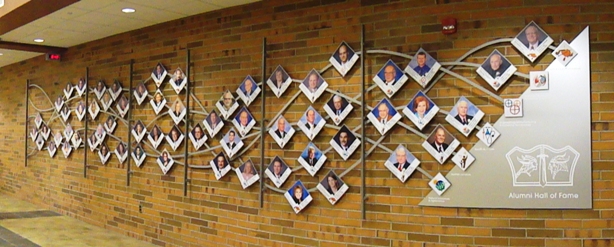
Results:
<point x="532" y="41"/>
<point x="138" y="131"/>
<point x="227" y="104"/>
<point x="213" y="123"/>
<point x="94" y="109"/>
<point x="33" y="133"/>
<point x="68" y="90"/>
<point x="422" y="67"/>
<point x="121" y="152"/>
<point x="313" y="85"/>
<point x="122" y="106"/>
<point x="158" y="102"/>
<point x="279" y="81"/>
<point x="38" y="120"/>
<point x="40" y="142"/>
<point x="66" y="148"/>
<point x="332" y="187"/>
<point x="281" y="131"/>
<point x="496" y="70"/>
<point x="402" y="163"/>
<point x="248" y="90"/>
<point x="463" y="159"/>
<point x="311" y="123"/>
<point x="80" y="111"/>
<point x="100" y="132"/>
<point x="44" y="131"/>
<point x="59" y="102"/>
<point x="110" y="124"/>
<point x="440" y="144"/>
<point x="76" y="139"/>
<point x="57" y="137"/>
<point x="158" y="74"/>
<point x="80" y="87"/>
<point x="100" y="89"/>
<point x="338" y="108"/>
<point x="220" y="165"/>
<point x="175" y="137"/>
<point x="178" y="80"/>
<point x="244" y="121"/>
<point x="140" y="93"/>
<point x="231" y="143"/>
<point x="345" y="142"/>
<point x="177" y="111"/>
<point x="312" y="159"/>
<point x="384" y="116"/>
<point x="51" y="148"/>
<point x="106" y="101"/>
<point x="464" y="116"/>
<point x="93" y="142"/>
<point x="104" y="153"/>
<point x="68" y="131"/>
<point x="298" y="196"/>
<point x="65" y="113"/>
<point x="343" y="58"/>
<point x="138" y="155"/>
<point x="420" y="110"/>
<point x="165" y="161"/>
<point x="116" y="89"/>
<point x="155" y="136"/>
<point x="197" y="136"/>
<point x="390" y="78"/>
<point x="278" y="171"/>
<point x="247" y="173"/>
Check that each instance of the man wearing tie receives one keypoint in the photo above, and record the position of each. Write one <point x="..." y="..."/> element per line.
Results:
<point x="402" y="163"/>
<point x="338" y="104"/>
<point x="495" y="70"/>
<point x="343" y="140"/>
<point x="281" y="128"/>
<point x="532" y="35"/>
<point x="221" y="163"/>
<point x="231" y="140"/>
<point x="311" y="121"/>
<point x="248" y="88"/>
<point x="390" y="75"/>
<point x="313" y="83"/>
<point x="462" y="116"/>
<point x="382" y="111"/>
<point x="311" y="156"/>
<point x="213" y="120"/>
<point x="277" y="170"/>
<point x="440" y="137"/>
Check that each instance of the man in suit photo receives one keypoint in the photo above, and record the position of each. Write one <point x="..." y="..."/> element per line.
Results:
<point x="401" y="163"/>
<point x="439" y="143"/>
<point x="496" y="67"/>
<point x="390" y="75"/>
<point x="462" y="116"/>
<point x="248" y="87"/>
<point x="343" y="59"/>
<point x="231" y="140"/>
<point x="311" y="156"/>
<point x="281" y="128"/>
<point x="383" y="114"/>
<point x="533" y="37"/>
<point x="337" y="105"/>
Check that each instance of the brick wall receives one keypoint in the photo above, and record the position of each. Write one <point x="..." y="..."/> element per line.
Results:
<point x="226" y="46"/>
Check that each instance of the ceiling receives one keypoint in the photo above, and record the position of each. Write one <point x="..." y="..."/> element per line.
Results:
<point x="80" y="21"/>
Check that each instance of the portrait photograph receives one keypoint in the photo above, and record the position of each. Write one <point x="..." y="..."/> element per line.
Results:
<point x="343" y="58"/>
<point x="390" y="78"/>
<point x="496" y="70"/>
<point x="281" y="131"/>
<point x="76" y="139"/>
<point x="177" y="111"/>
<point x="94" y="109"/>
<point x="40" y="142"/>
<point x="231" y="143"/>
<point x="564" y="53"/>
<point x="165" y="161"/>
<point x="247" y="173"/>
<point x="420" y="110"/>
<point x="115" y="90"/>
<point x="122" y="106"/>
<point x="100" y="133"/>
<point x="464" y="116"/>
<point x="312" y="159"/>
<point x="58" y="137"/>
<point x="155" y="136"/>
<point x="279" y="81"/>
<point x="213" y="123"/>
<point x="158" y="74"/>
<point x="175" y="137"/>
<point x="345" y="142"/>
<point x="178" y="80"/>
<point x="338" y="108"/>
<point x="422" y="68"/>
<point x="93" y="142"/>
<point x="463" y="159"/>
<point x="51" y="149"/>
<point x="332" y="187"/>
<point x="440" y="144"/>
<point x="68" y="131"/>
<point x="227" y="104"/>
<point x="104" y="153"/>
<point x="66" y="148"/>
<point x="513" y="108"/>
<point x="65" y="113"/>
<point x="106" y="101"/>
<point x="110" y="124"/>
<point x="298" y="197"/>
<point x="33" y="133"/>
<point x="244" y="121"/>
<point x="488" y="134"/>
<point x="197" y="136"/>
<point x="80" y="111"/>
<point x="138" y="131"/>
<point x="121" y="151"/>
<point x="539" y="80"/>
<point x="59" y="103"/>
<point x="38" y="120"/>
<point x="439" y="184"/>
<point x="68" y="90"/>
<point x="158" y="102"/>
<point x="278" y="172"/>
<point x="100" y="89"/>
<point x="532" y="41"/>
<point x="81" y="86"/>
<point x="248" y="90"/>
<point x="138" y="155"/>
<point x="220" y="165"/>
<point x="311" y="123"/>
<point x="140" y="93"/>
<point x="384" y="116"/>
<point x="44" y="131"/>
<point x="402" y="163"/>
<point x="313" y="85"/>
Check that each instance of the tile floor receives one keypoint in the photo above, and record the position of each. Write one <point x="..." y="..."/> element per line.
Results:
<point x="25" y="225"/>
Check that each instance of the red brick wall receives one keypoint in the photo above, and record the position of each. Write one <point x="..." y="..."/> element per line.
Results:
<point x="225" y="47"/>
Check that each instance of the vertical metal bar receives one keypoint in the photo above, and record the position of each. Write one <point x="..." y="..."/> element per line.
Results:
<point x="87" y="106"/>
<point x="25" y="152"/>
<point x="262" y="122"/>
<point x="364" y="122"/>
<point x="185" y="120"/>
<point x="130" y="92"/>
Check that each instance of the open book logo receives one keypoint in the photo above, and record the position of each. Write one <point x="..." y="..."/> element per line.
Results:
<point x="542" y="165"/>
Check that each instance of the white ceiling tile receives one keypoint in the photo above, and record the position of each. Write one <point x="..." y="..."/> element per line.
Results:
<point x="92" y="4"/>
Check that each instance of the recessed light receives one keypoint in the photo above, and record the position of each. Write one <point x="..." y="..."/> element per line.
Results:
<point x="39" y="40"/>
<point x="128" y="10"/>
<point x="1" y="54"/>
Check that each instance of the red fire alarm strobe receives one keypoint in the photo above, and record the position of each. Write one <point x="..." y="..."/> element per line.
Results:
<point x="53" y="57"/>
<point x="448" y="25"/>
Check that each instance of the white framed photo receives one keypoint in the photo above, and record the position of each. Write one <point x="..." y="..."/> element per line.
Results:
<point x="345" y="142"/>
<point x="311" y="123"/>
<point x="402" y="163"/>
<point x="532" y="41"/>
<point x="422" y="68"/>
<point x="278" y="172"/>
<point x="496" y="70"/>
<point x="312" y="159"/>
<point x="332" y="187"/>
<point x="390" y="78"/>
<point x="247" y="173"/>
<point x="384" y="116"/>
<point x="298" y="196"/>
<point x="279" y="81"/>
<point x="464" y="116"/>
<point x="281" y="132"/>
<point x="343" y="59"/>
<point x="248" y="90"/>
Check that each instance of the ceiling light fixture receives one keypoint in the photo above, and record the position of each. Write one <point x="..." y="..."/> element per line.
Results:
<point x="128" y="10"/>
<point x="39" y="40"/>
